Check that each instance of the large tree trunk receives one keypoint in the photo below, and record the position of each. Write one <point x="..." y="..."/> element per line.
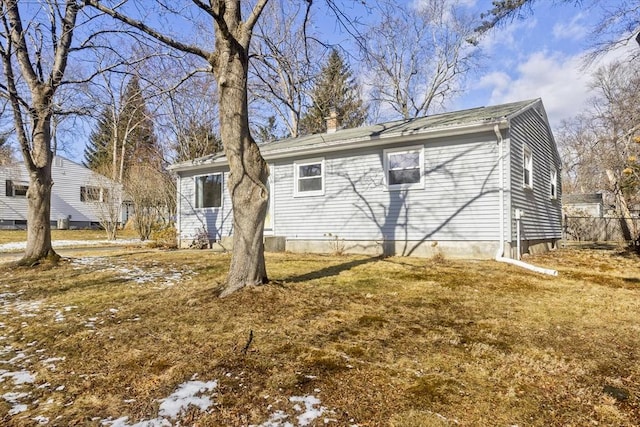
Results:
<point x="39" y="198"/>
<point x="629" y="230"/>
<point x="248" y="170"/>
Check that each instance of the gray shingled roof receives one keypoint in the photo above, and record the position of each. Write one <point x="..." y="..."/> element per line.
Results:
<point x="345" y="137"/>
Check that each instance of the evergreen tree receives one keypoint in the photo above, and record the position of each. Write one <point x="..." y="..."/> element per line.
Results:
<point x="335" y="91"/>
<point x="197" y="140"/>
<point x="136" y="127"/>
<point x="98" y="153"/>
<point x="133" y="137"/>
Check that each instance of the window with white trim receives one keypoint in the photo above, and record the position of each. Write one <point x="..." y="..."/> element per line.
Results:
<point x="209" y="191"/>
<point x="404" y="167"/>
<point x="93" y="194"/>
<point x="527" y="168"/>
<point x="16" y="188"/>
<point x="553" y="190"/>
<point x="309" y="177"/>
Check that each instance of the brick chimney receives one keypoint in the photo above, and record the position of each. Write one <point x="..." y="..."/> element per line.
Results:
<point x="332" y="121"/>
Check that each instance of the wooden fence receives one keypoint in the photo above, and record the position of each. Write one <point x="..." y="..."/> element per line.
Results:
<point x="590" y="229"/>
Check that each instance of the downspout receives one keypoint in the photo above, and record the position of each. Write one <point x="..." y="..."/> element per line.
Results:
<point x="179" y="211"/>
<point x="500" y="254"/>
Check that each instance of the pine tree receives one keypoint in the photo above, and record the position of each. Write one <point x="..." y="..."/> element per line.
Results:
<point x="136" y="127"/>
<point x="335" y="91"/>
<point x="197" y="140"/>
<point x="98" y="153"/>
<point x="133" y="137"/>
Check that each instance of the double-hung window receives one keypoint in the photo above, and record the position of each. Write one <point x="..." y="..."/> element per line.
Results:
<point x="209" y="191"/>
<point x="553" y="191"/>
<point x="404" y="168"/>
<point x="309" y="177"/>
<point x="93" y="194"/>
<point x="16" y="188"/>
<point x="527" y="168"/>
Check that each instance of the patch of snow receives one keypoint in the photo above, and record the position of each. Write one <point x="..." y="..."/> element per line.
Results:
<point x="138" y="274"/>
<point x="311" y="412"/>
<point x="187" y="394"/>
<point x="20" y="377"/>
<point x="277" y="419"/>
<point x="20" y="246"/>
<point x="41" y="420"/>
<point x="13" y="399"/>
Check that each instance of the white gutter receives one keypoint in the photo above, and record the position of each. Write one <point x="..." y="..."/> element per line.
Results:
<point x="500" y="254"/>
<point x="333" y="144"/>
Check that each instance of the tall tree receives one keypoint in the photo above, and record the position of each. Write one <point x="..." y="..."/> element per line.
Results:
<point x="229" y="61"/>
<point x="139" y="144"/>
<point x="417" y="56"/>
<point x="98" y="152"/>
<point x="25" y="59"/>
<point x="335" y="91"/>
<point x="124" y="134"/>
<point x="601" y="145"/>
<point x="284" y="65"/>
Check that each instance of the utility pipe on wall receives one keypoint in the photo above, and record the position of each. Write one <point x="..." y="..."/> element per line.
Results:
<point x="500" y="254"/>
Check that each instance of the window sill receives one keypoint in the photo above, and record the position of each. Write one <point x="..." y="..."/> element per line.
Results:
<point x="309" y="194"/>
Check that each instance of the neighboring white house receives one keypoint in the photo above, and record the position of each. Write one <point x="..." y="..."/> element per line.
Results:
<point x="589" y="205"/>
<point x="457" y="183"/>
<point x="78" y="199"/>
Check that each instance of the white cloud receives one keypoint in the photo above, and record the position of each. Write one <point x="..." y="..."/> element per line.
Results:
<point x="576" y="29"/>
<point x="558" y="80"/>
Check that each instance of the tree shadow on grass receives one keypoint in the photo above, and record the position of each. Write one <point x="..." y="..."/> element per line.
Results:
<point x="332" y="270"/>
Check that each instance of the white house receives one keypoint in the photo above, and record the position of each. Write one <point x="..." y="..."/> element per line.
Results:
<point x="467" y="183"/>
<point x="78" y="198"/>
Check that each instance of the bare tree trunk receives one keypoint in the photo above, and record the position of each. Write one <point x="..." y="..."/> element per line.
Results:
<point x="621" y="204"/>
<point x="249" y="171"/>
<point x="39" y="196"/>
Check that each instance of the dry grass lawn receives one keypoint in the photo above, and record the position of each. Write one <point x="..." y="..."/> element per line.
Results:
<point x="379" y="342"/>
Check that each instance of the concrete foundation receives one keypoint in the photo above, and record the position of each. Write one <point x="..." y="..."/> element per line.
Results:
<point x="426" y="249"/>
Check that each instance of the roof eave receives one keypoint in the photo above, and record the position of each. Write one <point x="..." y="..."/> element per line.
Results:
<point x="341" y="145"/>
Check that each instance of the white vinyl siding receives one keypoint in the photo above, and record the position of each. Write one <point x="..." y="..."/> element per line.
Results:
<point x="404" y="168"/>
<point x="217" y="222"/>
<point x="309" y="177"/>
<point x="68" y="178"/>
<point x="543" y="215"/>
<point x="357" y="206"/>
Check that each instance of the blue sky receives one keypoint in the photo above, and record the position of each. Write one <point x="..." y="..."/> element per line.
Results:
<point x="541" y="56"/>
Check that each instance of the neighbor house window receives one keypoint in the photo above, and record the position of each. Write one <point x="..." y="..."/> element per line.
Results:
<point x="93" y="194"/>
<point x="16" y="188"/>
<point x="527" y="168"/>
<point x="404" y="168"/>
<point x="309" y="177"/>
<point x="209" y="191"/>
<point x="554" y="183"/>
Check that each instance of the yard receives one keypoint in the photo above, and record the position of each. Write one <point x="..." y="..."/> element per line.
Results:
<point x="125" y="338"/>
